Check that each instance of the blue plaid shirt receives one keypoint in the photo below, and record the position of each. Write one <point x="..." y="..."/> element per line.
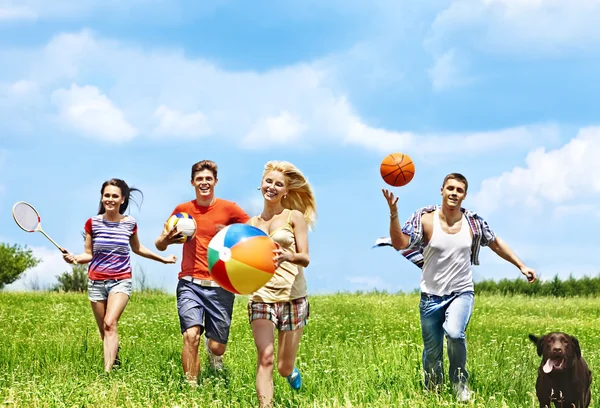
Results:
<point x="482" y="235"/>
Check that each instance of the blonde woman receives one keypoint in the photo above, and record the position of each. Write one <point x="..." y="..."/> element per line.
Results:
<point x="282" y="304"/>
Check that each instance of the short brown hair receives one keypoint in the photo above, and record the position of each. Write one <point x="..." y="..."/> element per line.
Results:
<point x="456" y="176"/>
<point x="205" y="165"/>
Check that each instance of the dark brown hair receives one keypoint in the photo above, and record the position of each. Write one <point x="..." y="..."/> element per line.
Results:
<point x="205" y="165"/>
<point x="126" y="192"/>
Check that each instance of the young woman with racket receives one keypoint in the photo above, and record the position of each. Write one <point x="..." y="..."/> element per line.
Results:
<point x="108" y="237"/>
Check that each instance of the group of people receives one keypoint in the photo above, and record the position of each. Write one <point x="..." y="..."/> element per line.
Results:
<point x="203" y="306"/>
<point x="443" y="240"/>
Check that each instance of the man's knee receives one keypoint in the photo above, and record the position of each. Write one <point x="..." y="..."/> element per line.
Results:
<point x="217" y="348"/>
<point x="191" y="337"/>
<point x="455" y="334"/>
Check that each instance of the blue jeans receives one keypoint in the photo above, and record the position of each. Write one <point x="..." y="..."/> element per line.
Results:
<point x="445" y="315"/>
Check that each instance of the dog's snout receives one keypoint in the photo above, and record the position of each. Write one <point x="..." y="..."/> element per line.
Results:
<point x="557" y="350"/>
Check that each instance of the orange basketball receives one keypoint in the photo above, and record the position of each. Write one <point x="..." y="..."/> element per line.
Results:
<point x="397" y="169"/>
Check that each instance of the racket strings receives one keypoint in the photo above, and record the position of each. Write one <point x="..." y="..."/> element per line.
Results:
<point x="26" y="216"/>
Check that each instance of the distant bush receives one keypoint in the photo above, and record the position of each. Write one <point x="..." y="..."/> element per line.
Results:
<point x="585" y="286"/>
<point x="14" y="260"/>
<point x="73" y="281"/>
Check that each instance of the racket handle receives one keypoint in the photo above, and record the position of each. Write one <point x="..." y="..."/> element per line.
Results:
<point x="64" y="251"/>
<point x="61" y="249"/>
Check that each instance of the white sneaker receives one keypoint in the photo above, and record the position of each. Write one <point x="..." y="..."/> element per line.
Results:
<point x="463" y="394"/>
<point x="216" y="362"/>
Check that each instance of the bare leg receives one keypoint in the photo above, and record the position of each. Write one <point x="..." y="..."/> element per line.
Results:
<point x="99" y="309"/>
<point x="264" y="337"/>
<point x="189" y="355"/>
<point x="218" y="349"/>
<point x="114" y="308"/>
<point x="289" y="341"/>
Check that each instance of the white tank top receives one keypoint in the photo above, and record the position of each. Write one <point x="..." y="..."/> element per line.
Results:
<point x="447" y="260"/>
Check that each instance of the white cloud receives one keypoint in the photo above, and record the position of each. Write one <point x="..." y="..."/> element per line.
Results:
<point x="294" y="105"/>
<point x="45" y="273"/>
<point x="577" y="210"/>
<point x="23" y="88"/>
<point x="89" y="111"/>
<point x="447" y="72"/>
<point x="169" y="10"/>
<point x="253" y="205"/>
<point x="172" y="123"/>
<point x="11" y="13"/>
<point x="274" y="130"/>
<point x="3" y="156"/>
<point x="555" y="176"/>
<point x="439" y="144"/>
<point x="19" y="94"/>
<point x="521" y="26"/>
<point x="378" y="139"/>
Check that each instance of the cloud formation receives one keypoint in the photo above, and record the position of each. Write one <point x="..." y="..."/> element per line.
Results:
<point x="550" y="176"/>
<point x="539" y="27"/>
<point x="165" y="94"/>
<point x="172" y="123"/>
<point x="88" y="111"/>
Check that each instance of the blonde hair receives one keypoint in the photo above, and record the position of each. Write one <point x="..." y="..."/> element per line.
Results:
<point x="300" y="195"/>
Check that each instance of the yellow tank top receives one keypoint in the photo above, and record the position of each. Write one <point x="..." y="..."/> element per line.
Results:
<point x="288" y="282"/>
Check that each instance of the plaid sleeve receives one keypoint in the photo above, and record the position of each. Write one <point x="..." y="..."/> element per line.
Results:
<point x="412" y="228"/>
<point x="487" y="235"/>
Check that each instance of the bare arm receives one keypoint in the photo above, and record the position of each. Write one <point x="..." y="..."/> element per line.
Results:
<point x="167" y="238"/>
<point x="500" y="247"/>
<point x="301" y="257"/>
<point x="399" y="239"/>
<point x="84" y="257"/>
<point x="141" y="250"/>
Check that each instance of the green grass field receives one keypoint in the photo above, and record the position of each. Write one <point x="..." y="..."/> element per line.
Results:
<point x="357" y="351"/>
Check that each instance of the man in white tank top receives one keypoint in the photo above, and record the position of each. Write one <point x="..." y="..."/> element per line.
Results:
<point x="444" y="242"/>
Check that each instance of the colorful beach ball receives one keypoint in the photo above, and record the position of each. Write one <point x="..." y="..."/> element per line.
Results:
<point x="240" y="258"/>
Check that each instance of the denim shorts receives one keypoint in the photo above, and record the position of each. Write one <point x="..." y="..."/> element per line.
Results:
<point x="99" y="290"/>
<point x="210" y="308"/>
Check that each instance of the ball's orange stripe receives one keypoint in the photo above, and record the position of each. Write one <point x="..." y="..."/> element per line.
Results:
<point x="256" y="252"/>
<point x="246" y="279"/>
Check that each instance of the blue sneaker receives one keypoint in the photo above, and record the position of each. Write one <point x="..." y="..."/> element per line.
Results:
<point x="294" y="379"/>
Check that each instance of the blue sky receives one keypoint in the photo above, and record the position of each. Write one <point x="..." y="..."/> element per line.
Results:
<point x="503" y="91"/>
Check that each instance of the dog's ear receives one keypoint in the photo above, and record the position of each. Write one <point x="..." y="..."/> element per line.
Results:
<point x="576" y="347"/>
<point x="539" y="341"/>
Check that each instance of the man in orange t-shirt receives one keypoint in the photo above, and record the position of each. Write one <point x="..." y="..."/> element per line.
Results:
<point x="202" y="305"/>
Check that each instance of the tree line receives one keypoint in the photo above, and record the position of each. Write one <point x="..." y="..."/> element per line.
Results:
<point x="584" y="286"/>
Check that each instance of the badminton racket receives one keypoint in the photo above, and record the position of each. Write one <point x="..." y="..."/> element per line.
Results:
<point x="28" y="219"/>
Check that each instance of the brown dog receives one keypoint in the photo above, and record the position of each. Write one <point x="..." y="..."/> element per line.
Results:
<point x="563" y="377"/>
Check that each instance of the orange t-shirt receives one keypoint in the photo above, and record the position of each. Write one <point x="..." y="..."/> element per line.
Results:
<point x="194" y="261"/>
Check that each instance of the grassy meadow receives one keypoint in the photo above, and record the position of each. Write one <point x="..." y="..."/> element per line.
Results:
<point x="358" y="350"/>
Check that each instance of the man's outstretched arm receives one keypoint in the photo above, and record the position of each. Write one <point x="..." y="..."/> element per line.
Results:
<point x="505" y="252"/>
